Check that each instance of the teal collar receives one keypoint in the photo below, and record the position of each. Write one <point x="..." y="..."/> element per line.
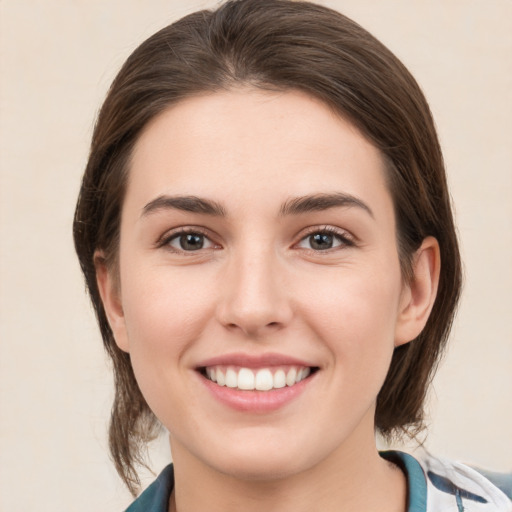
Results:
<point x="156" y="497"/>
<point x="416" y="481"/>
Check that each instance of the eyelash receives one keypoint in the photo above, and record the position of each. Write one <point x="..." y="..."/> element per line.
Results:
<point x="343" y="237"/>
<point x="166" y="240"/>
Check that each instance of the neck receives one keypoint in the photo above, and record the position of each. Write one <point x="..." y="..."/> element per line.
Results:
<point x="347" y="480"/>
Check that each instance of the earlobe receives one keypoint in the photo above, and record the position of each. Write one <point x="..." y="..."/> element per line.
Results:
<point x="108" y="285"/>
<point x="420" y="293"/>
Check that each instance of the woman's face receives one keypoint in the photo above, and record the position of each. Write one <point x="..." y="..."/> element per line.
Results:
<point x="258" y="248"/>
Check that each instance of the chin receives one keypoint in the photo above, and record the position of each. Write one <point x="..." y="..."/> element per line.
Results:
<point x="259" y="468"/>
<point x="262" y="461"/>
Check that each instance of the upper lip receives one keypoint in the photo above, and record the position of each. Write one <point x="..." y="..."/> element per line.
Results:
<point x="253" y="361"/>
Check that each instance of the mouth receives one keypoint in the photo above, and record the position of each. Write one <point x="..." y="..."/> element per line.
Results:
<point x="257" y="379"/>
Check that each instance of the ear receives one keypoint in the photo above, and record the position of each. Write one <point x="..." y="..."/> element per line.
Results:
<point x="110" y="292"/>
<point x="419" y="294"/>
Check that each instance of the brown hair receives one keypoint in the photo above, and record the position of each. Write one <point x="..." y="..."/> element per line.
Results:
<point x="281" y="45"/>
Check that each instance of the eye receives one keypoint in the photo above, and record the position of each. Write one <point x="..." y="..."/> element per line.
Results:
<point x="188" y="241"/>
<point x="325" y="239"/>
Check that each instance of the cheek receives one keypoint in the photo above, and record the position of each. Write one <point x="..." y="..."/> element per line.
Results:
<point x="355" y="314"/>
<point x="164" y="311"/>
<point x="165" y="315"/>
<point x="357" y="300"/>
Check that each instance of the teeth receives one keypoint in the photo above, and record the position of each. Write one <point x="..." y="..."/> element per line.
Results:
<point x="279" y="379"/>
<point x="231" y="378"/>
<point x="305" y="373"/>
<point x="221" y="379"/>
<point x="261" y="380"/>
<point x="291" y="376"/>
<point x="264" y="380"/>
<point x="245" y="379"/>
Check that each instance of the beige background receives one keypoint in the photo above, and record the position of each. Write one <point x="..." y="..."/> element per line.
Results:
<point x="57" y="59"/>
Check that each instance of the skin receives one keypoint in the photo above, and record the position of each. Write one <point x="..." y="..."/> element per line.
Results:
<point x="257" y="286"/>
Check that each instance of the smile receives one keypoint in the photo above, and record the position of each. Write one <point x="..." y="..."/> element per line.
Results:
<point x="262" y="379"/>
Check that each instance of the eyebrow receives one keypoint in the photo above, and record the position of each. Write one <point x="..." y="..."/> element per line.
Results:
<point x="293" y="206"/>
<point x="184" y="203"/>
<point x="321" y="202"/>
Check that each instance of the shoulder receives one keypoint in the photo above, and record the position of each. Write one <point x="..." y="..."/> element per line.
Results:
<point x="156" y="497"/>
<point x="452" y="486"/>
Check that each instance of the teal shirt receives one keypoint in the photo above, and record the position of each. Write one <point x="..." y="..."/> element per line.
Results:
<point x="433" y="486"/>
<point x="156" y="497"/>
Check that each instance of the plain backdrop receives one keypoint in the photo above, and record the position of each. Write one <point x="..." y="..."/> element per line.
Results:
<point x="57" y="59"/>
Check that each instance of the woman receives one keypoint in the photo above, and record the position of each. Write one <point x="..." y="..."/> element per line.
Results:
<point x="265" y="230"/>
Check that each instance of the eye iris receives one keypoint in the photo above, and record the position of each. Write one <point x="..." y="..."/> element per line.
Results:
<point x="191" y="242"/>
<point x="321" y="241"/>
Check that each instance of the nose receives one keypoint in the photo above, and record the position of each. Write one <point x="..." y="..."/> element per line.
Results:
<point x="254" y="298"/>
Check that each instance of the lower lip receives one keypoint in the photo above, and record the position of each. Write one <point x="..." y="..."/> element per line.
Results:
<point x="257" y="401"/>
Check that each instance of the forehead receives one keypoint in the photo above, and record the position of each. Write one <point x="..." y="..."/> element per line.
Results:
<point x="252" y="143"/>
